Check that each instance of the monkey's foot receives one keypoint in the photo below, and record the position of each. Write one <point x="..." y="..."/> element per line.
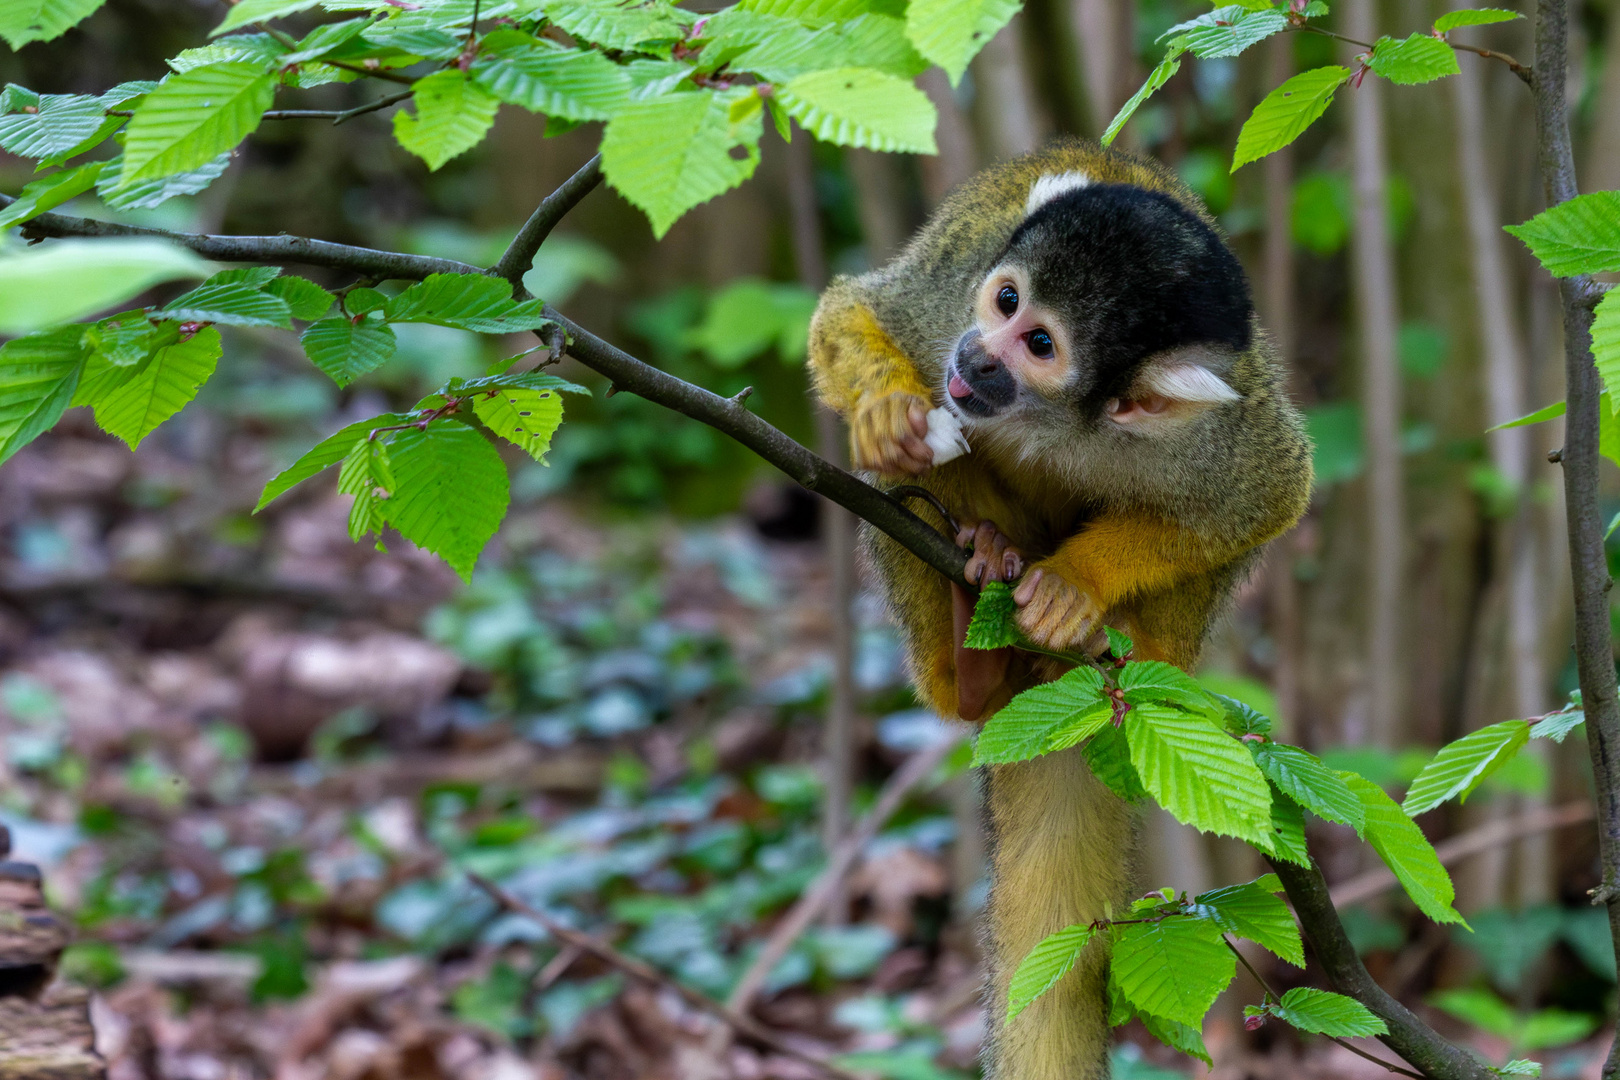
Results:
<point x="1055" y="613"/>
<point x="889" y="435"/>
<point x="994" y="558"/>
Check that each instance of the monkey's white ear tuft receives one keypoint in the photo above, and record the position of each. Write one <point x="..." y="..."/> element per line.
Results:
<point x="1051" y="186"/>
<point x="1187" y="381"/>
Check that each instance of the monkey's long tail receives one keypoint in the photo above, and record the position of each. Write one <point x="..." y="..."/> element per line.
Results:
<point x="1062" y="852"/>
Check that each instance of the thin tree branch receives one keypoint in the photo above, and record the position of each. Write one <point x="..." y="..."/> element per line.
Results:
<point x="634" y="968"/>
<point x="1589" y="569"/>
<point x="518" y="257"/>
<point x="1244" y="960"/>
<point x="1514" y="66"/>
<point x="1408" y="1036"/>
<point x="368" y="262"/>
<point x="1459" y="847"/>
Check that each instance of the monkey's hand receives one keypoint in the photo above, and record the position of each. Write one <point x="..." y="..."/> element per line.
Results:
<point x="888" y="434"/>
<point x="1055" y="613"/>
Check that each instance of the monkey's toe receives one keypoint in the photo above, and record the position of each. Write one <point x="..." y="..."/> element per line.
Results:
<point x="1054" y="613"/>
<point x="994" y="558"/>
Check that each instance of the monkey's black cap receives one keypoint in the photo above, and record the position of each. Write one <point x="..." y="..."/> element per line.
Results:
<point x="1135" y="273"/>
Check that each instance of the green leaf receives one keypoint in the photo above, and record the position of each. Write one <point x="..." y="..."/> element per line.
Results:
<point x="1073" y="705"/>
<point x="230" y="303"/>
<point x="252" y="11"/>
<point x="1044" y="966"/>
<point x="1180" y="1037"/>
<point x="1326" y="1013"/>
<point x="23" y="21"/>
<point x="346" y="350"/>
<point x="49" y="192"/>
<point x="1286" y="838"/>
<point x="364" y="301"/>
<point x="1156" y="78"/>
<point x="669" y="154"/>
<point x="1286" y="112"/>
<point x="527" y="380"/>
<point x="995" y="618"/>
<point x="1302" y="777"/>
<point x="1109" y="756"/>
<point x="1252" y="911"/>
<point x="1241" y="717"/>
<point x="1606" y="343"/>
<point x="1474" y="17"/>
<point x="1462" y="766"/>
<point x="1418" y="59"/>
<point x="1197" y="772"/>
<point x="329" y="451"/>
<point x="862" y="107"/>
<point x="162" y="388"/>
<point x="1406" y="851"/>
<point x="58" y="124"/>
<point x="1519" y="1067"/>
<point x="1556" y="726"/>
<point x="69" y="279"/>
<point x="1119" y="645"/>
<point x="1229" y="38"/>
<point x="1154" y="681"/>
<point x="38" y="375"/>
<point x="474" y="302"/>
<point x="1479" y="1008"/>
<point x="452" y="116"/>
<point x="368" y="475"/>
<point x="951" y="32"/>
<point x="192" y="118"/>
<point x="1174" y="968"/>
<point x="543" y="77"/>
<point x="1555" y="1027"/>
<point x="1580" y="236"/>
<point x="306" y="300"/>
<point x="145" y="194"/>
<point x="261" y="51"/>
<point x="451" y="491"/>
<point x="748" y="316"/>
<point x="619" y="26"/>
<point x="528" y="418"/>
<point x="1540" y="416"/>
<point x="126" y="339"/>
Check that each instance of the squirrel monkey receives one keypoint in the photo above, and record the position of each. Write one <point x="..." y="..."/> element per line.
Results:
<point x="1131" y="448"/>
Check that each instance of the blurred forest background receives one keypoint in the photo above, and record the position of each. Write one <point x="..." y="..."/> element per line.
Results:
<point x="253" y="758"/>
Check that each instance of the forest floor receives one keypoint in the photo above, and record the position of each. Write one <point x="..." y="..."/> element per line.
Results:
<point x="256" y="762"/>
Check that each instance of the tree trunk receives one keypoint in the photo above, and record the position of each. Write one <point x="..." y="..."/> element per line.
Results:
<point x="1378" y="319"/>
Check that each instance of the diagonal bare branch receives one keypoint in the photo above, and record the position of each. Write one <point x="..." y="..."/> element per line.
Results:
<point x="519" y="255"/>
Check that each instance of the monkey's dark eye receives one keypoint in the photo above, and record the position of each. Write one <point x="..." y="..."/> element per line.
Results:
<point x="1007" y="300"/>
<point x="1040" y="343"/>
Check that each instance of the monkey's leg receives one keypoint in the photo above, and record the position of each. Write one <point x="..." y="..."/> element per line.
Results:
<point x="980" y="672"/>
<point x="1061" y="855"/>
<point x="862" y="374"/>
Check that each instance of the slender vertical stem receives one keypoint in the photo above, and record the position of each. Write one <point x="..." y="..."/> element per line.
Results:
<point x="1589" y="568"/>
<point x="1278" y="297"/>
<point x="1381" y="396"/>
<point x="838" y="766"/>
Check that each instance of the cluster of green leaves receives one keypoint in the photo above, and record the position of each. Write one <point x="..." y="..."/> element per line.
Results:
<point x="1148" y="729"/>
<point x="426" y="473"/>
<point x="1577" y="237"/>
<point x="684" y="97"/>
<point x="1284" y="114"/>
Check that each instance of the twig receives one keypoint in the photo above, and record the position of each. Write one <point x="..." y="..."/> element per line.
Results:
<point x="1408" y="1035"/>
<point x="368" y="262"/>
<point x="1244" y="960"/>
<point x="1492" y="834"/>
<point x="636" y="969"/>
<point x="518" y="257"/>
<point x="1524" y="73"/>
<point x="380" y="103"/>
<point x="375" y="73"/>
<point x="918" y="768"/>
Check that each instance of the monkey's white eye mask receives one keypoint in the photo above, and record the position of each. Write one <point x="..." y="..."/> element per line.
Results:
<point x="1170" y="390"/>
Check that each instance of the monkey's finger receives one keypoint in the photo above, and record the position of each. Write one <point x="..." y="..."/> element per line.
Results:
<point x="964" y="534"/>
<point x="1026" y="588"/>
<point x="917" y="414"/>
<point x="1012" y="565"/>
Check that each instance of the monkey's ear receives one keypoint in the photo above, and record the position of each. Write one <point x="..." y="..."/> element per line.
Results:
<point x="1171" y="388"/>
<point x="1183" y="379"/>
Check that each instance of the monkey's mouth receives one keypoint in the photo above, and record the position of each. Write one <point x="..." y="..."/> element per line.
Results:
<point x="964" y="398"/>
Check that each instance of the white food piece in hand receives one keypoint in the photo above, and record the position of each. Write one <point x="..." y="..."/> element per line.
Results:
<point x="945" y="436"/>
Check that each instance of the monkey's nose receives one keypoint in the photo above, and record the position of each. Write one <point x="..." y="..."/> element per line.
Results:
<point x="987" y="366"/>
